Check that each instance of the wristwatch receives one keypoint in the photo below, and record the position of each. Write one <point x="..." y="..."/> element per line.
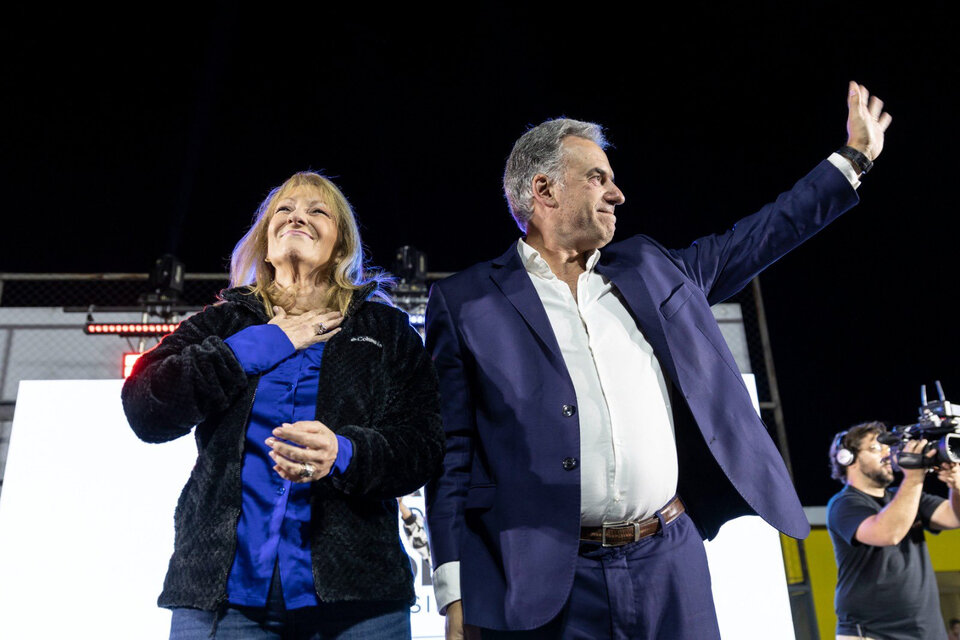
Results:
<point x="860" y="161"/>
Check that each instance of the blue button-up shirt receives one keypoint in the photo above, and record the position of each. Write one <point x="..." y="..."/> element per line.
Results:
<point x="274" y="525"/>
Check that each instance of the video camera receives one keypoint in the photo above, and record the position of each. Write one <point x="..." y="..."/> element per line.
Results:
<point x="939" y="424"/>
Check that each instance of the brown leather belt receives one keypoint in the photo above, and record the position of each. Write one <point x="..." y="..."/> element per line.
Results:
<point x="616" y="534"/>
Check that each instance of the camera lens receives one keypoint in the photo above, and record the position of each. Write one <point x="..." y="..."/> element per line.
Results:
<point x="949" y="448"/>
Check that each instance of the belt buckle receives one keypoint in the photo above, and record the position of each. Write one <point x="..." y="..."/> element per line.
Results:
<point x="607" y="526"/>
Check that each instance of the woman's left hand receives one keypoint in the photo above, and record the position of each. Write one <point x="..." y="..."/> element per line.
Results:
<point x="312" y="460"/>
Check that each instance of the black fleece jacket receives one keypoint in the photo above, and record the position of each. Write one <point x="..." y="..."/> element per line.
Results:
<point x="378" y="388"/>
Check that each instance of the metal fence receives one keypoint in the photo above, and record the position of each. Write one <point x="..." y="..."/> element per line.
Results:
<point x="98" y="289"/>
<point x="42" y="317"/>
<point x="41" y="337"/>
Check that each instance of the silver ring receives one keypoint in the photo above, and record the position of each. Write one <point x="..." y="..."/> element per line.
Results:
<point x="306" y="470"/>
<point x="321" y="329"/>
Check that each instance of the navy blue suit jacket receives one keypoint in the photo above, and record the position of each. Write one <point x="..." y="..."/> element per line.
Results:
<point x="506" y="506"/>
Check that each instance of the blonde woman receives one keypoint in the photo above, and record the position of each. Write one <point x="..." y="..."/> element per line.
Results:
<point x="314" y="406"/>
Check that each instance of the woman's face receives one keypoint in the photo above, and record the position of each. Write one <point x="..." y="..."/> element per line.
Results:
<point x="301" y="234"/>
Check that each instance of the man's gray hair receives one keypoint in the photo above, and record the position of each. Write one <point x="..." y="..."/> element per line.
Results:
<point x="539" y="150"/>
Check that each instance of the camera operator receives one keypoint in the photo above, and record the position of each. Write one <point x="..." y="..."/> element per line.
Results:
<point x="885" y="584"/>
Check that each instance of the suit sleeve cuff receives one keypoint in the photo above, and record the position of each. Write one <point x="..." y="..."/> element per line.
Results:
<point x="260" y="348"/>
<point x="344" y="456"/>
<point x="446" y="585"/>
<point x="845" y="168"/>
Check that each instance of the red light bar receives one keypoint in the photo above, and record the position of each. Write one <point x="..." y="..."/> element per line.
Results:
<point x="131" y="329"/>
<point x="128" y="360"/>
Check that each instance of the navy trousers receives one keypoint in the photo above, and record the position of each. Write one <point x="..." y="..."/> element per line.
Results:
<point x="657" y="588"/>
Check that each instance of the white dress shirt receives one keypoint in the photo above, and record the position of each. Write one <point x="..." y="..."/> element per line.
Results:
<point x="628" y="454"/>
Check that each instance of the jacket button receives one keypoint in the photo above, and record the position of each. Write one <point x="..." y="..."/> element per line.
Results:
<point x="569" y="464"/>
<point x="568" y="410"/>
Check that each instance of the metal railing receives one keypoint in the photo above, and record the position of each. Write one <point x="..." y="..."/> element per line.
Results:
<point x="41" y="337"/>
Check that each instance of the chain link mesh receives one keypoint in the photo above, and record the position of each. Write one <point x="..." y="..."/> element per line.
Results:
<point x="83" y="290"/>
<point x="42" y="318"/>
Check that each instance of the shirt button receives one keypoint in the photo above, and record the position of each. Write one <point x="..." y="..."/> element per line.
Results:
<point x="568" y="410"/>
<point x="569" y="464"/>
<point x="280" y="491"/>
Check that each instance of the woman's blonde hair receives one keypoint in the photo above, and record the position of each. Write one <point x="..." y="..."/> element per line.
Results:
<point x="248" y="265"/>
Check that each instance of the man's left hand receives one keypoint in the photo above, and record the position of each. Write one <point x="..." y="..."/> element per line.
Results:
<point x="866" y="121"/>
<point x="949" y="474"/>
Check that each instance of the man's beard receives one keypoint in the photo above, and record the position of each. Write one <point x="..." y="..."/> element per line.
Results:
<point x="880" y="476"/>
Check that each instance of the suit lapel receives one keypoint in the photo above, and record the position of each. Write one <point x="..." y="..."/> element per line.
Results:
<point x="511" y="278"/>
<point x="636" y="295"/>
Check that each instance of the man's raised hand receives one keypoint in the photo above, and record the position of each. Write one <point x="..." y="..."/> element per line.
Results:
<point x="866" y="121"/>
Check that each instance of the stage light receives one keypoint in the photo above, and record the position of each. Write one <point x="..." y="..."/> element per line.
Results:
<point x="148" y="329"/>
<point x="128" y="360"/>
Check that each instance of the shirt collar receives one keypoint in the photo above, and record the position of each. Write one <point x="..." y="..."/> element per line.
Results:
<point x="534" y="263"/>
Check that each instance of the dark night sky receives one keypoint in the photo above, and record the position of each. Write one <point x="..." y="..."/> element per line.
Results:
<point x="125" y="139"/>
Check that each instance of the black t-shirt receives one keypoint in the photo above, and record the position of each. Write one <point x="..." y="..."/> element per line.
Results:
<point x="891" y="592"/>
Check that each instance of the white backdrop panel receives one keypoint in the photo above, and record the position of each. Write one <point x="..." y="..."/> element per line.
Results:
<point x="86" y="529"/>
<point x="86" y="516"/>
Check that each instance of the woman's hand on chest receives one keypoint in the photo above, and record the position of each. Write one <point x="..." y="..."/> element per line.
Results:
<point x="309" y="328"/>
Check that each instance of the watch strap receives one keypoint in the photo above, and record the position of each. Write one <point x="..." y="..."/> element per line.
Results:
<point x="860" y="161"/>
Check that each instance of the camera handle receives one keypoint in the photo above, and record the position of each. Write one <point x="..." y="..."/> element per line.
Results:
<point x="907" y="460"/>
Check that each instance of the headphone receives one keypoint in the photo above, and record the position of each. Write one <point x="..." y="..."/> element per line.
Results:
<point x="844" y="456"/>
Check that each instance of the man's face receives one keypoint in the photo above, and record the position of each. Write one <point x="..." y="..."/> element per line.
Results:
<point x="584" y="218"/>
<point x="873" y="460"/>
